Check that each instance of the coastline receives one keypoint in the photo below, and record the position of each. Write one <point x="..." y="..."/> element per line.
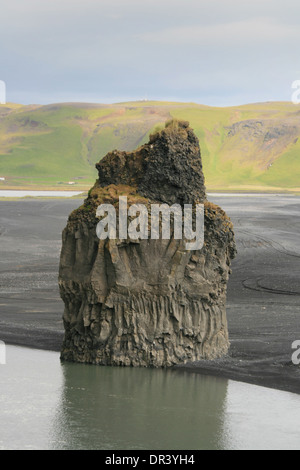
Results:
<point x="262" y="309"/>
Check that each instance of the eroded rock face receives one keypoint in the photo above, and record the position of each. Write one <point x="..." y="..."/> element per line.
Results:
<point x="146" y="302"/>
<point x="168" y="169"/>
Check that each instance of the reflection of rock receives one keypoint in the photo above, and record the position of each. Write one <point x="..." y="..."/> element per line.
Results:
<point x="124" y="408"/>
<point x="148" y="302"/>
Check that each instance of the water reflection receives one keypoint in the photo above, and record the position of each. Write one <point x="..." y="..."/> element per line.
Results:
<point x="121" y="408"/>
<point x="46" y="405"/>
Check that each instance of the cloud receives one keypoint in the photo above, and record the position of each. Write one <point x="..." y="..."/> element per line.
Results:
<point x="130" y="48"/>
<point x="254" y="31"/>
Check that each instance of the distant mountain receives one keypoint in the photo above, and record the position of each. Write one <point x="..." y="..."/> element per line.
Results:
<point x="251" y="147"/>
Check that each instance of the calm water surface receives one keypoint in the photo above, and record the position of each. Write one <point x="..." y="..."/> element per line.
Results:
<point x="47" y="405"/>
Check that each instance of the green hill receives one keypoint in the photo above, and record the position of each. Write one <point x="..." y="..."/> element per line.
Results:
<point x="251" y="147"/>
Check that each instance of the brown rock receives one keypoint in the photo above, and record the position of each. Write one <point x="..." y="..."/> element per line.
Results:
<point x="146" y="302"/>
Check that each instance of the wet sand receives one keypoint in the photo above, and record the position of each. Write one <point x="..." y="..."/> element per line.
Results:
<point x="263" y="306"/>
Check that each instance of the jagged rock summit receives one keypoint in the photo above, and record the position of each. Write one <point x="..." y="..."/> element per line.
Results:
<point x="146" y="302"/>
<point x="167" y="169"/>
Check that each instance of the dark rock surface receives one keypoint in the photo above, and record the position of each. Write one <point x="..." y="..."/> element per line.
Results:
<point x="146" y="302"/>
<point x="262" y="322"/>
<point x="167" y="169"/>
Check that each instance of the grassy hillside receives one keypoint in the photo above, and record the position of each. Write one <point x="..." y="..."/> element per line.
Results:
<point x="251" y="147"/>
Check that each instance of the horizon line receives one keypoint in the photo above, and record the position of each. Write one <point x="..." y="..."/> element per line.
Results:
<point x="145" y="101"/>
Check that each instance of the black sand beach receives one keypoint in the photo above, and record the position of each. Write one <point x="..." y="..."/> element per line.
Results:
<point x="263" y="297"/>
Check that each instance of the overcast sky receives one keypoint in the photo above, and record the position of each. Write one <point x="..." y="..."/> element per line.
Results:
<point x="215" y="52"/>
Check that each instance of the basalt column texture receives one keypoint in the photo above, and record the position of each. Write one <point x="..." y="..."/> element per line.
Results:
<point x="146" y="302"/>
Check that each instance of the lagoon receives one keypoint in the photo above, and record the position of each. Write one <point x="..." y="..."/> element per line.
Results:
<point x="46" y="404"/>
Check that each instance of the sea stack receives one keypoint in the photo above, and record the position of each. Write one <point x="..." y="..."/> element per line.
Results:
<point x="146" y="302"/>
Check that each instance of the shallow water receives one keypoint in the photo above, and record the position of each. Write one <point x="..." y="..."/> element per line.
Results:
<point x="47" y="405"/>
<point x="20" y="193"/>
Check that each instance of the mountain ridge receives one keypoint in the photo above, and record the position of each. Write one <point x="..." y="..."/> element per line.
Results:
<point x="252" y="147"/>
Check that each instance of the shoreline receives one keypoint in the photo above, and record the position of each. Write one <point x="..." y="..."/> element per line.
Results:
<point x="221" y="191"/>
<point x="83" y="195"/>
<point x="262" y="373"/>
<point x="263" y="309"/>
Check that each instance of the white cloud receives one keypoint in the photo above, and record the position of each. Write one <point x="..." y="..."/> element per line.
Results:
<point x="232" y="33"/>
<point x="191" y="49"/>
